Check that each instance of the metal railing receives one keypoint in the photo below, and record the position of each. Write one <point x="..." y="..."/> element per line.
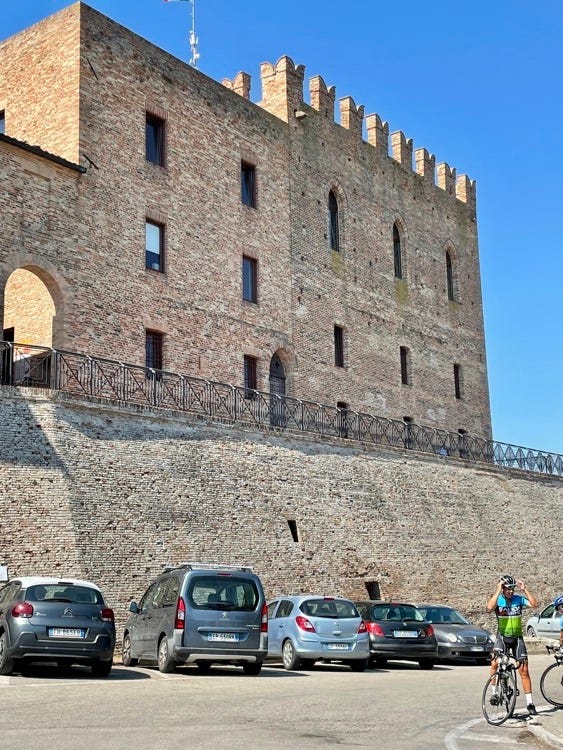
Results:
<point x="80" y="374"/>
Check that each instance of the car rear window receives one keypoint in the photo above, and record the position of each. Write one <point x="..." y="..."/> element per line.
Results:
<point x="333" y="608"/>
<point x="62" y="592"/>
<point x="223" y="592"/>
<point x="395" y="612"/>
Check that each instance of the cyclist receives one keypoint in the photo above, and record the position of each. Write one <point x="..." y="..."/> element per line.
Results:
<point x="508" y="608"/>
<point x="558" y="604"/>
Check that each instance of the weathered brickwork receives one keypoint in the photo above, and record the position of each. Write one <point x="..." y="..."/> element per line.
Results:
<point x="79" y="86"/>
<point x="113" y="494"/>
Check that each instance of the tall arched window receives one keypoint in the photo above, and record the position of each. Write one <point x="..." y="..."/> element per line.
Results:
<point x="450" y="276"/>
<point x="334" y="229"/>
<point x="397" y="254"/>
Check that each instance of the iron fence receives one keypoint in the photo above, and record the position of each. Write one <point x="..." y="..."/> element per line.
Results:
<point x="80" y="374"/>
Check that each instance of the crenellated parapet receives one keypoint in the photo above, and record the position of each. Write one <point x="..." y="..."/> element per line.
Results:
<point x="282" y="87"/>
<point x="322" y="96"/>
<point x="240" y="84"/>
<point x="282" y="96"/>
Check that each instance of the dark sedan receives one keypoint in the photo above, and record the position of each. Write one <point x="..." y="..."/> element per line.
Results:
<point x="458" y="639"/>
<point x="398" y="631"/>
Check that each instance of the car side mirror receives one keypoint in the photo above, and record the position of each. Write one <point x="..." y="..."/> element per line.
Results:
<point x="133" y="608"/>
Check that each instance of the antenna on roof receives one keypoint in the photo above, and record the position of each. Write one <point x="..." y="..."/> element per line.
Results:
<point x="193" y="36"/>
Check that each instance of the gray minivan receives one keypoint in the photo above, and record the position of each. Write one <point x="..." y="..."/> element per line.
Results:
<point x="199" y="613"/>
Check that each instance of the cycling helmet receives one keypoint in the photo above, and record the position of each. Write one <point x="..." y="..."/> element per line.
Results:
<point x="507" y="581"/>
<point x="558" y="602"/>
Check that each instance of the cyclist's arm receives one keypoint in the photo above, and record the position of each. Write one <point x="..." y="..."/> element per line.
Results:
<point x="532" y="601"/>
<point x="492" y="603"/>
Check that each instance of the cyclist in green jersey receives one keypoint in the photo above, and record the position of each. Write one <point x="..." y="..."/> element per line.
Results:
<point x="508" y="608"/>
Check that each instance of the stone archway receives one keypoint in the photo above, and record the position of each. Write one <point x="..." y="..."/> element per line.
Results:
<point x="29" y="309"/>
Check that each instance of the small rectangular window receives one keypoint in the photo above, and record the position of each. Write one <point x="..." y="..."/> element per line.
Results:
<point x="342" y="418"/>
<point x="2" y="122"/>
<point x="404" y="353"/>
<point x="248" y="184"/>
<point x="154" y="139"/>
<point x="250" y="376"/>
<point x="154" y="246"/>
<point x="338" y="346"/>
<point x="153" y="349"/>
<point x="457" y="381"/>
<point x="249" y="279"/>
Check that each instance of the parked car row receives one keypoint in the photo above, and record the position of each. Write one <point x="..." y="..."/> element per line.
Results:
<point x="203" y="614"/>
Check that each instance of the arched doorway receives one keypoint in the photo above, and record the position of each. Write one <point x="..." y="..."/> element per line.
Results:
<point x="277" y="389"/>
<point x="28" y="317"/>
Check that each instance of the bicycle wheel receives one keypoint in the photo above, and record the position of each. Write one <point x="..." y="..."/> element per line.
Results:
<point x="551" y="685"/>
<point x="498" y="712"/>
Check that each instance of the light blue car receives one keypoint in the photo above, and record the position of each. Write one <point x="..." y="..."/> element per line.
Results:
<point x="545" y="624"/>
<point x="306" y="629"/>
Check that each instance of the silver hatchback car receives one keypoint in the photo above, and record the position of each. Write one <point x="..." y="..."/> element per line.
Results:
<point x="306" y="629"/>
<point x="53" y="620"/>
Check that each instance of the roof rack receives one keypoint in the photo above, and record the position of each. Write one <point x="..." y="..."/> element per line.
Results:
<point x="208" y="566"/>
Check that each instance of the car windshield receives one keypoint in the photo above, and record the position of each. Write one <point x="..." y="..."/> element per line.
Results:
<point x="395" y="612"/>
<point x="444" y="615"/>
<point x="333" y="608"/>
<point x="223" y="593"/>
<point x="63" y="592"/>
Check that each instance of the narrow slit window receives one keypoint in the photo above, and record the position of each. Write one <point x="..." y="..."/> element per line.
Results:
<point x="338" y="346"/>
<point x="450" y="277"/>
<point x="154" y="139"/>
<point x="457" y="381"/>
<point x="333" y="220"/>
<point x="293" y="529"/>
<point x="397" y="252"/>
<point x="248" y="184"/>
<point x="154" y="246"/>
<point x="249" y="279"/>
<point x="250" y="376"/>
<point x="404" y="357"/>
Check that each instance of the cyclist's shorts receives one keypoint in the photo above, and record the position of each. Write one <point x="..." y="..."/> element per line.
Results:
<point x="512" y="644"/>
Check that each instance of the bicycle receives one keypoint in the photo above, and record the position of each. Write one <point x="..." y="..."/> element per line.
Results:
<point x="551" y="681"/>
<point x="498" y="704"/>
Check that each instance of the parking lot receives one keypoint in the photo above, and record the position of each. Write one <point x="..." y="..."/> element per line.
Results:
<point x="399" y="706"/>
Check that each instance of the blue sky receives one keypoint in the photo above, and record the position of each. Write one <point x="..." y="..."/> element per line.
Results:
<point x="479" y="85"/>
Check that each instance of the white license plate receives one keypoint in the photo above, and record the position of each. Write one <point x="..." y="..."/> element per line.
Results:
<point x="405" y="634"/>
<point x="67" y="633"/>
<point x="338" y="646"/>
<point x="233" y="637"/>
<point x="477" y="648"/>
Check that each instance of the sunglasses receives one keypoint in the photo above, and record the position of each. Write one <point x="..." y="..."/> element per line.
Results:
<point x="509" y="588"/>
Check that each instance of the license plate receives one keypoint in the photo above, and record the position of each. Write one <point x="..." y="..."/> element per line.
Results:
<point x="338" y="646"/>
<point x="223" y="637"/>
<point x="405" y="634"/>
<point x="67" y="633"/>
<point x="477" y="648"/>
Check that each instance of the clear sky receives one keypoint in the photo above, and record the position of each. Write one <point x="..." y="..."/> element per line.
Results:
<point x="478" y="84"/>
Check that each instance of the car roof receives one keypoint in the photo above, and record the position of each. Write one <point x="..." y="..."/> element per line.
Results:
<point x="304" y="597"/>
<point x="27" y="581"/>
<point x="394" y="602"/>
<point x="443" y="606"/>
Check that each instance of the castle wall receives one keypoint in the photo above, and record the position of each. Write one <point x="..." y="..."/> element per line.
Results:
<point x="106" y="82"/>
<point x="112" y="493"/>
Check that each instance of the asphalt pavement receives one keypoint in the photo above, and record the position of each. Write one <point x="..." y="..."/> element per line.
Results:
<point x="548" y="725"/>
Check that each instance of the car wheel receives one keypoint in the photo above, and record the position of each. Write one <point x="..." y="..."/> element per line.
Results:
<point x="165" y="663"/>
<point x="101" y="668"/>
<point x="531" y="633"/>
<point x="126" y="657"/>
<point x="6" y="664"/>
<point x="426" y="663"/>
<point x="378" y="661"/>
<point x="204" y="667"/>
<point x="252" y="667"/>
<point x="358" y="665"/>
<point x="289" y="657"/>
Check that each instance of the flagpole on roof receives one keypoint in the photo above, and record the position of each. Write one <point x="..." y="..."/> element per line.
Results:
<point x="193" y="36"/>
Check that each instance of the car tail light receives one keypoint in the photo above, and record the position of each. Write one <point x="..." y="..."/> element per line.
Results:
<point x="374" y="629"/>
<point x="429" y="629"/>
<point x="305" y="624"/>
<point x="22" y="609"/>
<point x="264" y="621"/>
<point x="180" y="621"/>
<point x="362" y="627"/>
<point x="107" y="615"/>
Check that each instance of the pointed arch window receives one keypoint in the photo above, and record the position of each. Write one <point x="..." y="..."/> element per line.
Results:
<point x="334" y="229"/>
<point x="450" y="276"/>
<point x="397" y="252"/>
